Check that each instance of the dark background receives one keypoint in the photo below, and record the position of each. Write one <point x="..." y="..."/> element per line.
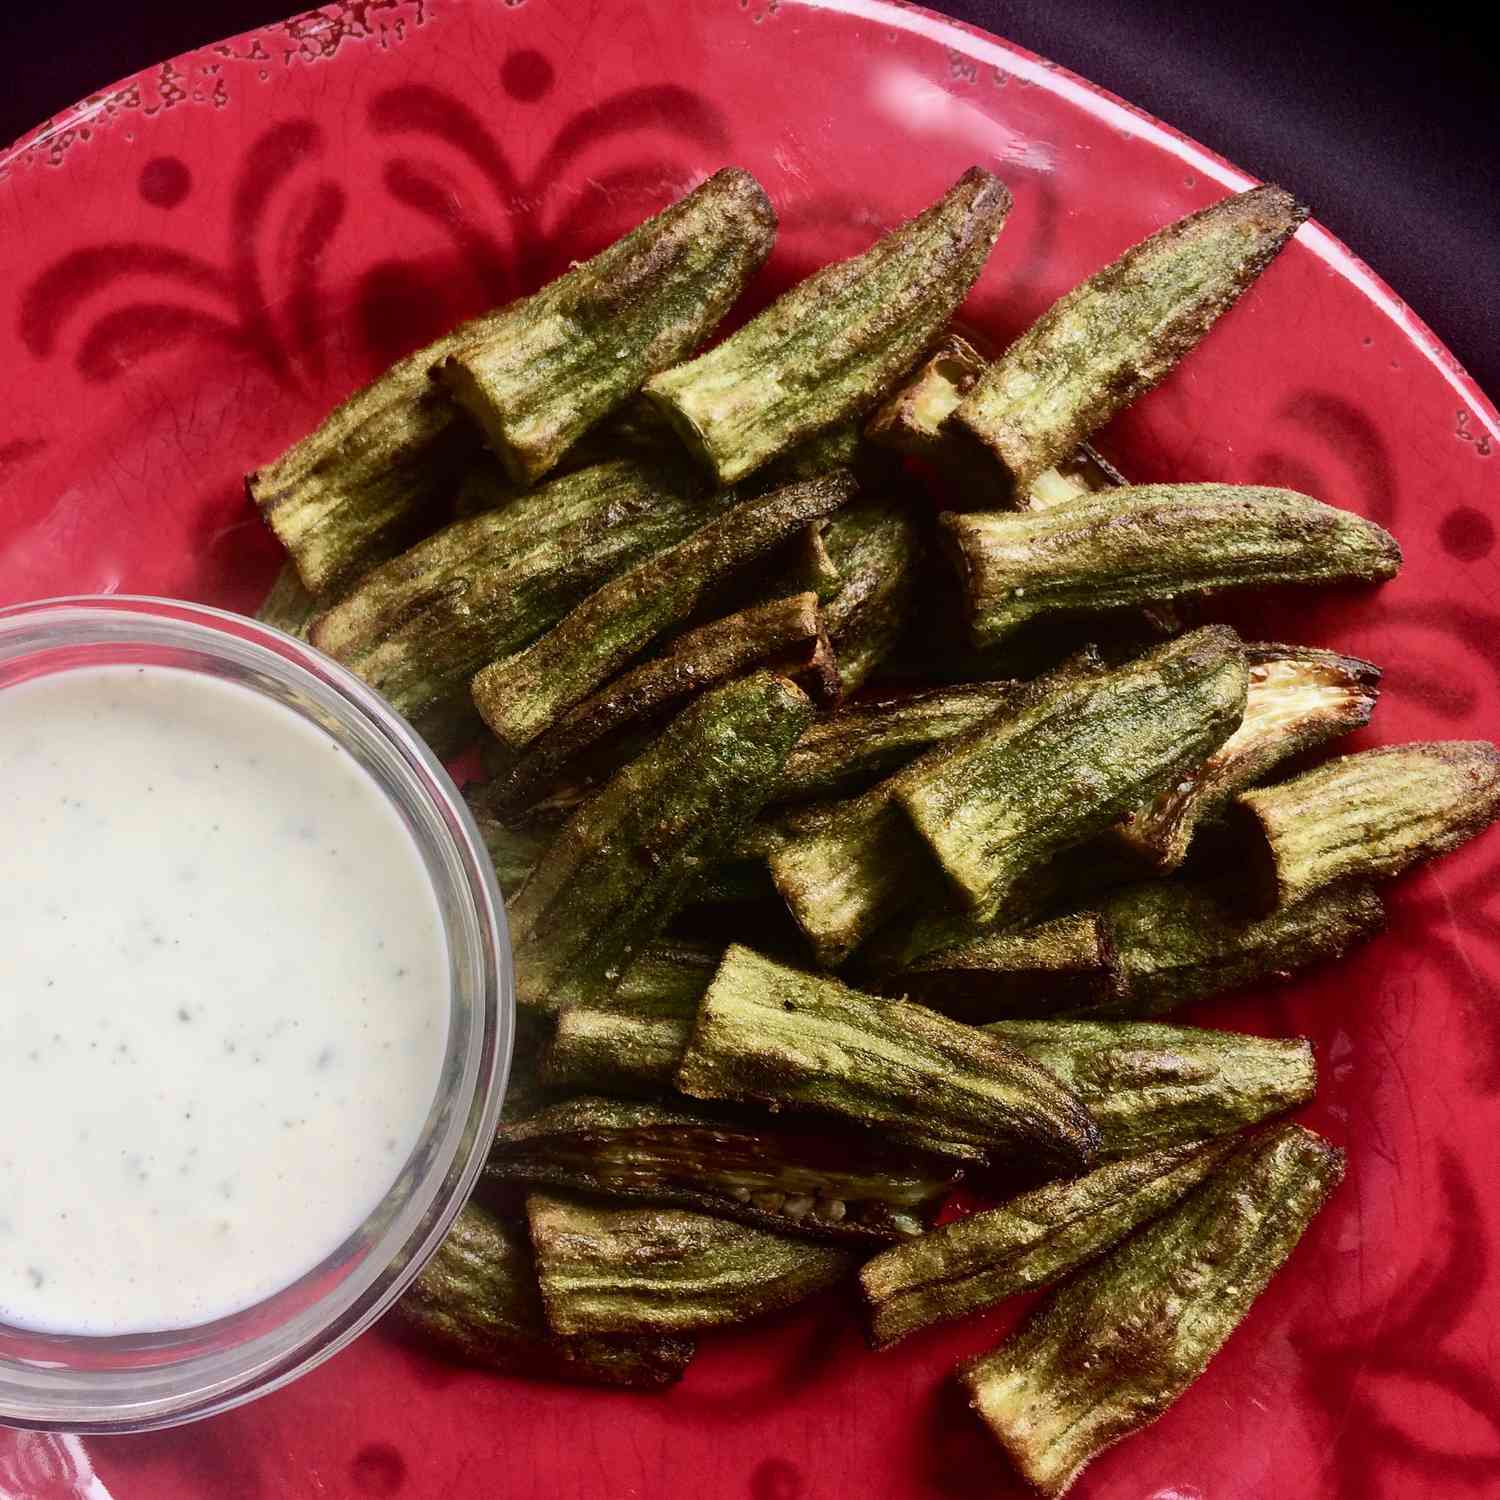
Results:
<point x="1387" y="122"/>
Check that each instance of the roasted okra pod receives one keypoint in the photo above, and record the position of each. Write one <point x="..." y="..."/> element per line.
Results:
<point x="786" y="628"/>
<point x="1147" y="949"/>
<point x="773" y="1035"/>
<point x="1064" y="767"/>
<point x="1298" y="698"/>
<point x="621" y="865"/>
<point x="419" y="627"/>
<point x="1060" y="966"/>
<point x="477" y="1300"/>
<point x="1149" y="1086"/>
<point x="843" y="752"/>
<point x="524" y="695"/>
<point x="1107" y="1354"/>
<point x="616" y="1269"/>
<point x="1177" y="941"/>
<point x="1367" y="816"/>
<point x="846" y="868"/>
<point x="374" y="476"/>
<point x="874" y="548"/>
<point x="633" y="1043"/>
<point x="1029" y="1242"/>
<point x="538" y="374"/>
<point x="1153" y="542"/>
<point x="825" y="1184"/>
<point x="915" y="421"/>
<point x="831" y="346"/>
<point x="289" y="606"/>
<point x="1115" y="336"/>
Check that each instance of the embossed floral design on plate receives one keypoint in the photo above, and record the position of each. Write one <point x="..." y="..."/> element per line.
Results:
<point x="201" y="260"/>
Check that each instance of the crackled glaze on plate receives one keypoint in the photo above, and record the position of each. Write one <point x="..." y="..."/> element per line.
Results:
<point x="195" y="264"/>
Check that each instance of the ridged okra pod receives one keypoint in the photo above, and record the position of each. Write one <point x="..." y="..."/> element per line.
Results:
<point x="829" y="348"/>
<point x="633" y="1043"/>
<point x="289" y="606"/>
<point x="477" y="1300"/>
<point x="1109" y="1352"/>
<point x="915" y="421"/>
<point x="1367" y="816"/>
<point x="420" y="626"/>
<point x="1029" y="1242"/>
<point x="847" y="868"/>
<point x="772" y="1035"/>
<point x="522" y="696"/>
<point x="621" y="865"/>
<point x="1060" y="966"/>
<point x="1153" y="542"/>
<point x="374" y="476"/>
<point x="874" y="547"/>
<point x="670" y="970"/>
<point x="1075" y="881"/>
<point x="633" y="432"/>
<point x="1149" y="1086"/>
<point x="482" y="485"/>
<point x="537" y="375"/>
<point x="1298" y="698"/>
<point x="514" y="849"/>
<point x="1178" y="941"/>
<point x="612" y="1269"/>
<point x="1148" y="948"/>
<point x="786" y="630"/>
<point x="1066" y="766"/>
<point x="1116" y="335"/>
<point x="844" y="751"/>
<point x="838" y="1185"/>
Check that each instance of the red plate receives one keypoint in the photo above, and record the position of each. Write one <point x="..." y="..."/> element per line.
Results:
<point x="196" y="264"/>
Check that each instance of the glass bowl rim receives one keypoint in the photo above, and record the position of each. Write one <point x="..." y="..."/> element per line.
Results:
<point x="438" y="1196"/>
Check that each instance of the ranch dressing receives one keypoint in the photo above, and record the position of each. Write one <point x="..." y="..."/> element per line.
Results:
<point x="223" y="999"/>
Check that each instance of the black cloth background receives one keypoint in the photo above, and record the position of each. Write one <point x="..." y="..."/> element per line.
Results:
<point x="1389" y="124"/>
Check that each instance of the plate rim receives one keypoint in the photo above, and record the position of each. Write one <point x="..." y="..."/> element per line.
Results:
<point x="920" y="21"/>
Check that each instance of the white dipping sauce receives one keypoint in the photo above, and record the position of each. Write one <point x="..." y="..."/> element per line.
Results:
<point x="223" y="999"/>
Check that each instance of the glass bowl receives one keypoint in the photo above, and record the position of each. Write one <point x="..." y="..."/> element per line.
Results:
<point x="136" y="1382"/>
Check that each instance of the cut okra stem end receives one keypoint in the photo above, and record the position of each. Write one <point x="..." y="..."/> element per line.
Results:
<point x="1367" y="816"/>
